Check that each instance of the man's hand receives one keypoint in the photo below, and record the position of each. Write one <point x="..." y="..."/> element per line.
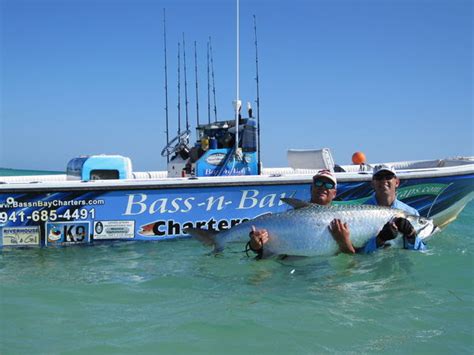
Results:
<point x="258" y="237"/>
<point x="341" y="234"/>
<point x="391" y="229"/>
<point x="405" y="227"/>
<point x="388" y="232"/>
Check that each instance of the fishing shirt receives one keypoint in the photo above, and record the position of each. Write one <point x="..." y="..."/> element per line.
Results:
<point x="371" y="245"/>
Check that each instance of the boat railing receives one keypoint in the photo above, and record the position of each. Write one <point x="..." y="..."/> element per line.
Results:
<point x="143" y="175"/>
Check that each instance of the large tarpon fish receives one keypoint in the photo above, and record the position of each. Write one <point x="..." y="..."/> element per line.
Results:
<point x="304" y="230"/>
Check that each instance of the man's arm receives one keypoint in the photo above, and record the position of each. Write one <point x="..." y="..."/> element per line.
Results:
<point x="342" y="235"/>
<point x="390" y="231"/>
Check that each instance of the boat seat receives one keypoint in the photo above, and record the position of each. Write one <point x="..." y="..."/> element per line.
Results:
<point x="310" y="159"/>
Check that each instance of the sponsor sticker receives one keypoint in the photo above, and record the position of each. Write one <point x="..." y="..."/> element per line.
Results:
<point x="58" y="233"/>
<point x="114" y="230"/>
<point x="215" y="159"/>
<point x="21" y="236"/>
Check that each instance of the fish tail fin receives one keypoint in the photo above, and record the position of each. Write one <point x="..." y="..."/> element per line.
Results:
<point x="205" y="236"/>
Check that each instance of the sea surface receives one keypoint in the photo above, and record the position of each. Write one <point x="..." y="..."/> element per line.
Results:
<point x="175" y="297"/>
<point x="15" y="172"/>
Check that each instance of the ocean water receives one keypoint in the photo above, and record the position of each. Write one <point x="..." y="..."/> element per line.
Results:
<point x="175" y="297"/>
<point x="14" y="172"/>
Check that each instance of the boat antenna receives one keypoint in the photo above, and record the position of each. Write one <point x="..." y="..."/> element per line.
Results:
<point x="208" y="88"/>
<point x="166" y="85"/>
<point x="213" y="82"/>
<point x="196" y="76"/>
<point x="185" y="85"/>
<point x="258" y="96"/>
<point x="237" y="99"/>
<point x="179" y="90"/>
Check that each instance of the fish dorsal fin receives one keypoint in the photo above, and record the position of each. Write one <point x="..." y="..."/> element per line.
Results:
<point x="295" y="203"/>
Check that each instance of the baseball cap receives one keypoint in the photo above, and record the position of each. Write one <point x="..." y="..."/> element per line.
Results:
<point x="326" y="174"/>
<point x="383" y="167"/>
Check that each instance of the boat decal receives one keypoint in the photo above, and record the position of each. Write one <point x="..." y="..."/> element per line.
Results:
<point x="420" y="190"/>
<point x="215" y="159"/>
<point x="104" y="230"/>
<point x="60" y="233"/>
<point x="20" y="236"/>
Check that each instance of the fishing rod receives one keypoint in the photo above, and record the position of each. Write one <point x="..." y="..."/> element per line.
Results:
<point x="237" y="99"/>
<point x="182" y="137"/>
<point x="196" y="76"/>
<point x="436" y="198"/>
<point x="259" y="167"/>
<point x="166" y="86"/>
<point x="208" y="88"/>
<point x="179" y="90"/>
<point x="185" y="85"/>
<point x="213" y="82"/>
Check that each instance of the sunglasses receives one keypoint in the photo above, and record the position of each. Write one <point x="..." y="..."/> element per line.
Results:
<point x="320" y="183"/>
<point x="383" y="177"/>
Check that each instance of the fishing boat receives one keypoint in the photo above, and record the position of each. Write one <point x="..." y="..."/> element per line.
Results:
<point x="102" y="199"/>
<point x="215" y="183"/>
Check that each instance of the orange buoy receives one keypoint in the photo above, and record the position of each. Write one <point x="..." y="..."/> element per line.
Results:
<point x="358" y="158"/>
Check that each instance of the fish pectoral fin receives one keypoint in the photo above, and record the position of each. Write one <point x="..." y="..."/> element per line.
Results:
<point x="205" y="236"/>
<point x="295" y="203"/>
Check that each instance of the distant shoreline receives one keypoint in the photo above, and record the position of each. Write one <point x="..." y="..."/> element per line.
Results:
<point x="24" y="172"/>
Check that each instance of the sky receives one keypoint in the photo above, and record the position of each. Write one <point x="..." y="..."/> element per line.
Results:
<point x="391" y="78"/>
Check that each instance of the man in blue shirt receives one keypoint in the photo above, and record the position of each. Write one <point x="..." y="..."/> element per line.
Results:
<point x="385" y="183"/>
